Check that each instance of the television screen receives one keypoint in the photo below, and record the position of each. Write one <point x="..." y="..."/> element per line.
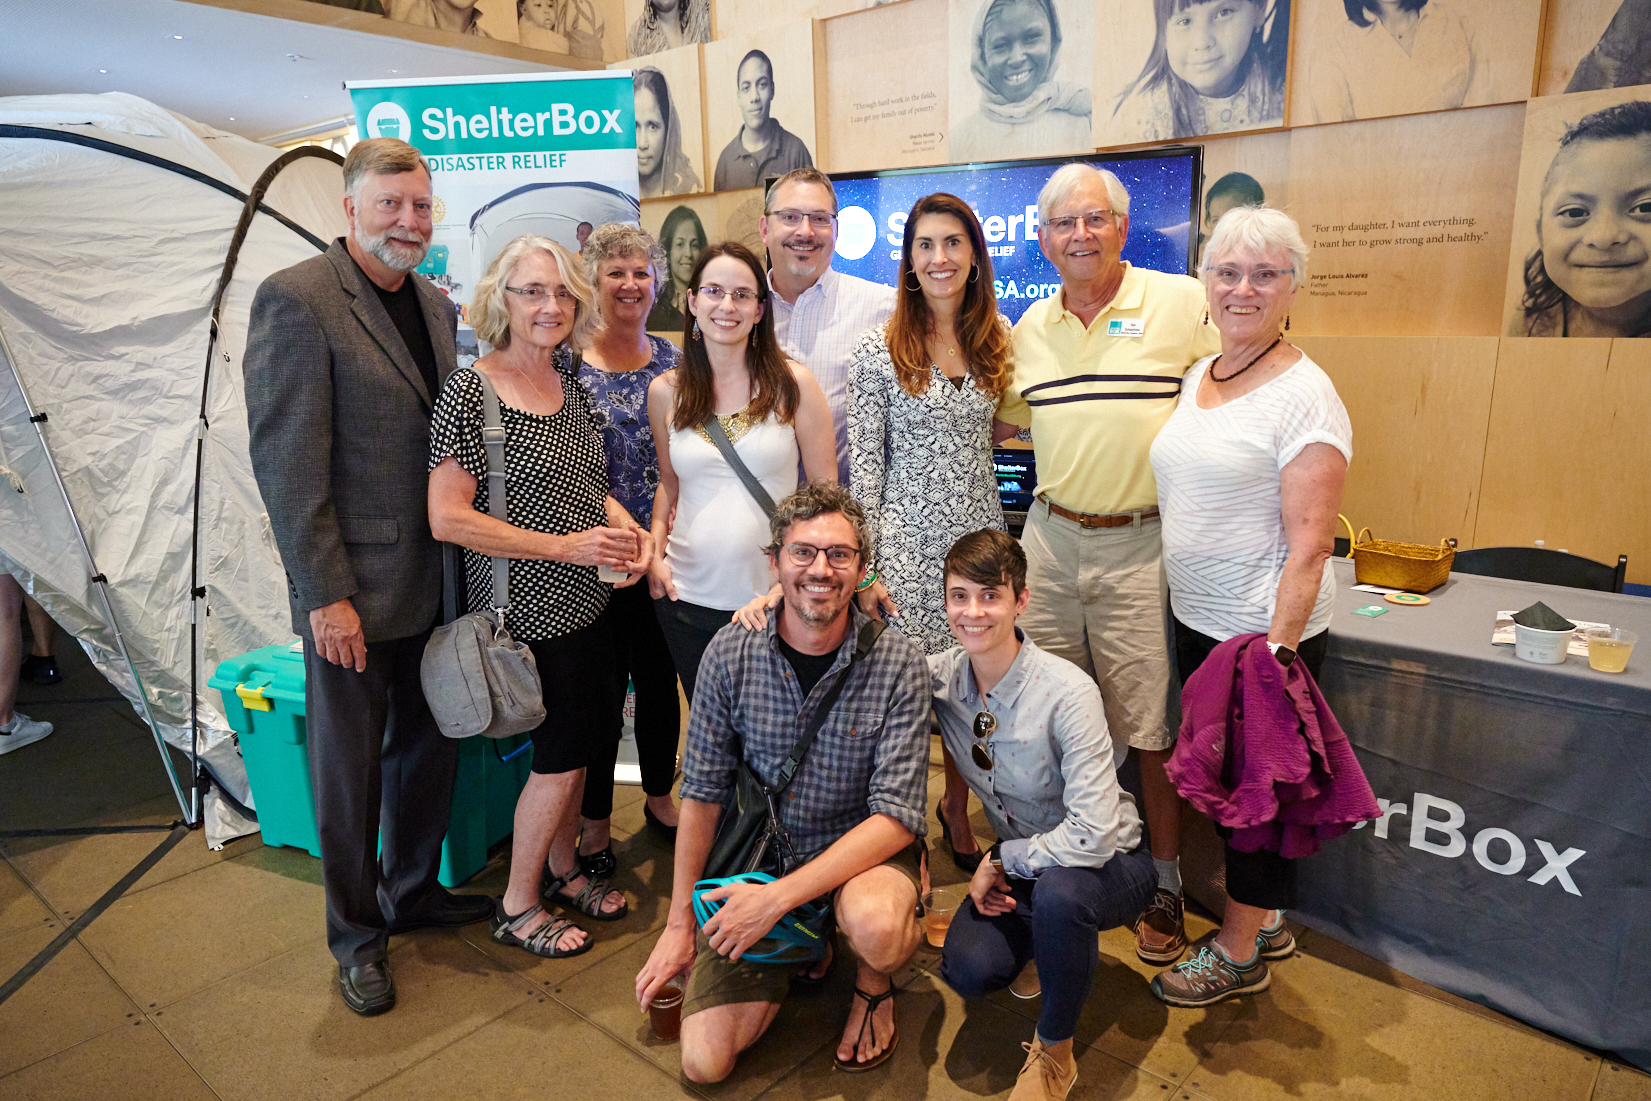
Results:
<point x="1163" y="216"/>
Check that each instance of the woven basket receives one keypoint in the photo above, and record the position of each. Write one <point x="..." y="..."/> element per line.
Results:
<point x="1413" y="567"/>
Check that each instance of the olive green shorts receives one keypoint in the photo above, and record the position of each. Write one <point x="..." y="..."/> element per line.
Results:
<point x="717" y="980"/>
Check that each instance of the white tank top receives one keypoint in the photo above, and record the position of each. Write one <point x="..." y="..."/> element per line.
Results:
<point x="716" y="545"/>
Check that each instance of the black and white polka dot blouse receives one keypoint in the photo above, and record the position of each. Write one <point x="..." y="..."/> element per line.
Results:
<point x="558" y="483"/>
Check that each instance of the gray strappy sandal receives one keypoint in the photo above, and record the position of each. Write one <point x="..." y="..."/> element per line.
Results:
<point x="587" y="901"/>
<point x="541" y="941"/>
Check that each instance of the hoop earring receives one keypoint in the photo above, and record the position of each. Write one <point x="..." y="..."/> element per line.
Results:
<point x="919" y="286"/>
<point x="974" y="273"/>
<point x="695" y="334"/>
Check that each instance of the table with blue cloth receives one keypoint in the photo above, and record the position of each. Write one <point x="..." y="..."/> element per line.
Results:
<point x="1512" y="864"/>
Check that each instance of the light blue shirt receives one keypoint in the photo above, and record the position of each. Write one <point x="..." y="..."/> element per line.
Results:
<point x="820" y="331"/>
<point x="1052" y="793"/>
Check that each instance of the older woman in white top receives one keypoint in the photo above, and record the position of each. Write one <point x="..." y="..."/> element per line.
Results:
<point x="773" y="412"/>
<point x="1250" y="470"/>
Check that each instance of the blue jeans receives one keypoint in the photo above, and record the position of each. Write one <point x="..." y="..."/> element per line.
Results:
<point x="1056" y="918"/>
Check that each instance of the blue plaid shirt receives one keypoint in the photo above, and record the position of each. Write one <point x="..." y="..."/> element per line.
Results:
<point x="870" y="757"/>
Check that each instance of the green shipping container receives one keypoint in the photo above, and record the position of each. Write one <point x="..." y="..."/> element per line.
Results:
<point x="263" y="697"/>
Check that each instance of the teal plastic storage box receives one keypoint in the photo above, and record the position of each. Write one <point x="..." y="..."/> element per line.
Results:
<point x="263" y="697"/>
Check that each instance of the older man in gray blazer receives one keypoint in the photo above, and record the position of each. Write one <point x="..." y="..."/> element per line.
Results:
<point x="345" y="356"/>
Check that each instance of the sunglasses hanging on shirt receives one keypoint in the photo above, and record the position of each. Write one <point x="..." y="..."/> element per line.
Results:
<point x="985" y="725"/>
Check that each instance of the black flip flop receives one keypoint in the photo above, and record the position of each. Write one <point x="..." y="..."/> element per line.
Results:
<point x="872" y="1002"/>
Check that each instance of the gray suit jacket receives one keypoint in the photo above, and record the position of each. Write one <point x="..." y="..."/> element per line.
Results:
<point x="340" y="423"/>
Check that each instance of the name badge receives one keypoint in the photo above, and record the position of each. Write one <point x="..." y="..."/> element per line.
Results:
<point x="1122" y="327"/>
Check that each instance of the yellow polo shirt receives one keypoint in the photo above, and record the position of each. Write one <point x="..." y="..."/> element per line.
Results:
<point x="1095" y="398"/>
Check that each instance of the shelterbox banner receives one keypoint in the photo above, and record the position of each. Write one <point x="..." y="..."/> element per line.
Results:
<point x="552" y="154"/>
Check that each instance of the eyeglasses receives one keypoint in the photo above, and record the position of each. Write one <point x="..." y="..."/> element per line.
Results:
<point x="712" y="294"/>
<point x="1096" y="220"/>
<point x="985" y="726"/>
<point x="535" y="296"/>
<point x="1260" y="278"/>
<point x="791" y="219"/>
<point x="806" y="554"/>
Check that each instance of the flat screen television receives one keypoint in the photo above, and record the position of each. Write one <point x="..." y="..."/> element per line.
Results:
<point x="1163" y="188"/>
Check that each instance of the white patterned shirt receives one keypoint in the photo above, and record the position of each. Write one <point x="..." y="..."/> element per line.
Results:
<point x="820" y="331"/>
<point x="1219" y="490"/>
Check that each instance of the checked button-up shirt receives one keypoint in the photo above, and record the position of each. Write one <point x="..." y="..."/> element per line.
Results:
<point x="870" y="757"/>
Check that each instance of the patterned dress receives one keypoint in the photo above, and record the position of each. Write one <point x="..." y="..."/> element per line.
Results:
<point x="922" y="468"/>
<point x="619" y="406"/>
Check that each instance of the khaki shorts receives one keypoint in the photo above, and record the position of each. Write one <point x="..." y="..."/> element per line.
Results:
<point x="717" y="980"/>
<point x="1099" y="601"/>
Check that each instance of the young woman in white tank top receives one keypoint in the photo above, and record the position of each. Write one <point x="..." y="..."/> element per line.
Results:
<point x="713" y="531"/>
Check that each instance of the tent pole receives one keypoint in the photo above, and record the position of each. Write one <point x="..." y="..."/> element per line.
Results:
<point x="39" y="421"/>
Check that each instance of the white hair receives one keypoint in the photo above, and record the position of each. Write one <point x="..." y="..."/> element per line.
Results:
<point x="1257" y="230"/>
<point x="1069" y="177"/>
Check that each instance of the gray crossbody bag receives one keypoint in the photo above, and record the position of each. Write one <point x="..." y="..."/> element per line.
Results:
<point x="477" y="679"/>
<point x="713" y="428"/>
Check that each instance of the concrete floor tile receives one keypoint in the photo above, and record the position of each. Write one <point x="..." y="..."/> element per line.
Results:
<point x="279" y="1031"/>
<point x="73" y="872"/>
<point x="809" y="1019"/>
<point x="187" y="933"/>
<point x="132" y="1063"/>
<point x="536" y="1051"/>
<point x="1322" y="1031"/>
<point x="956" y="1049"/>
<point x="644" y="877"/>
<point x="1615" y="1083"/>
<point x="66" y="778"/>
<point x="71" y="1000"/>
<point x="1123" y="1019"/>
<point x="20" y="907"/>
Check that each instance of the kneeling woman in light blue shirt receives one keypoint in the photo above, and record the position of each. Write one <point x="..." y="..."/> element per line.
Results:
<point x="1029" y="736"/>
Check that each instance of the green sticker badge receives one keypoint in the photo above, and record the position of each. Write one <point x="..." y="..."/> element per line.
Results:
<point x="1371" y="610"/>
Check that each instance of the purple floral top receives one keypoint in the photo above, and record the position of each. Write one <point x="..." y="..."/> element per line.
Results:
<point x="619" y="406"/>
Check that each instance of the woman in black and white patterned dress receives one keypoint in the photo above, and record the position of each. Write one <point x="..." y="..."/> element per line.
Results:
<point x="536" y="308"/>
<point x="922" y="392"/>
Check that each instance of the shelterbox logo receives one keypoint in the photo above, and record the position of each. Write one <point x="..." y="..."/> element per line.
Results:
<point x="1445" y="836"/>
<point x="533" y="116"/>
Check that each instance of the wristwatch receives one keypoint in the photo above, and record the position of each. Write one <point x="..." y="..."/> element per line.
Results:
<point x="1283" y="653"/>
<point x="995" y="857"/>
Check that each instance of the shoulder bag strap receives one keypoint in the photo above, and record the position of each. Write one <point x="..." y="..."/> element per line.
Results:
<point x="497" y="502"/>
<point x="868" y="638"/>
<point x="713" y="428"/>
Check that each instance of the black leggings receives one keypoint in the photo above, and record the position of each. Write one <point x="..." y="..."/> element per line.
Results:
<point x="640" y="656"/>
<point x="1261" y="879"/>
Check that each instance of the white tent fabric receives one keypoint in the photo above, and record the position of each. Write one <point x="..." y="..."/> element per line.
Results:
<point x="107" y="273"/>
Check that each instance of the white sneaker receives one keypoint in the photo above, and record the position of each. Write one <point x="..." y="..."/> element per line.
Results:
<point x="21" y="731"/>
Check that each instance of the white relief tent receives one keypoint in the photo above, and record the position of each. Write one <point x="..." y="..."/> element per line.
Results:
<point x="116" y="218"/>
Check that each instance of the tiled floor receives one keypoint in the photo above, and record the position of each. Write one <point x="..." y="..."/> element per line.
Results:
<point x="211" y="978"/>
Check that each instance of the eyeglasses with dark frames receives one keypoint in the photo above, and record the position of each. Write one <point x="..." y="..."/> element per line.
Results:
<point x="806" y="554"/>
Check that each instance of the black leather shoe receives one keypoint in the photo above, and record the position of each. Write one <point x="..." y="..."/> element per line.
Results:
<point x="446" y="911"/>
<point x="368" y="989"/>
<point x="656" y="824"/>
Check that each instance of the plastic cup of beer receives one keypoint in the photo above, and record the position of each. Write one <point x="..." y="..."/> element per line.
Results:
<point x="1609" y="647"/>
<point x="939" y="907"/>
<point x="665" y="1011"/>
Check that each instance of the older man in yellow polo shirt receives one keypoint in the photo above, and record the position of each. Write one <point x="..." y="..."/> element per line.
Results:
<point x="1097" y="371"/>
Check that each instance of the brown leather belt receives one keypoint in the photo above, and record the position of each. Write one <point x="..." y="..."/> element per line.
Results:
<point x="1092" y="520"/>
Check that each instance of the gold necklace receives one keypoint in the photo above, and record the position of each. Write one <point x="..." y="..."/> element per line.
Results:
<point x="542" y="399"/>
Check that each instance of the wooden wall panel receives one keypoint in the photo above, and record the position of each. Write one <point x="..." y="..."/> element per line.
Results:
<point x="791" y="51"/>
<point x="899" y="119"/>
<point x="1420" y="408"/>
<point x="1568" y="459"/>
<point x="1408" y="220"/>
<point x="1573" y="28"/>
<point x="1505" y="33"/>
<point x="683" y="69"/>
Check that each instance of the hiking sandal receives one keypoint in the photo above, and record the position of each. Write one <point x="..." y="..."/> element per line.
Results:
<point x="588" y="901"/>
<point x="541" y="941"/>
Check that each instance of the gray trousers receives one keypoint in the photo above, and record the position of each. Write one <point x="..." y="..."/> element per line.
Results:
<point x="380" y="768"/>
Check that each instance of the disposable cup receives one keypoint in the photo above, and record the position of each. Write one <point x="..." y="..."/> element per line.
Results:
<point x="1542" y="647"/>
<point x="665" y="1011"/>
<point x="939" y="907"/>
<point x="1609" y="648"/>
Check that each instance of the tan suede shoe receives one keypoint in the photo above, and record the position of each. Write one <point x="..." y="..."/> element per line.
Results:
<point x="1048" y="1073"/>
